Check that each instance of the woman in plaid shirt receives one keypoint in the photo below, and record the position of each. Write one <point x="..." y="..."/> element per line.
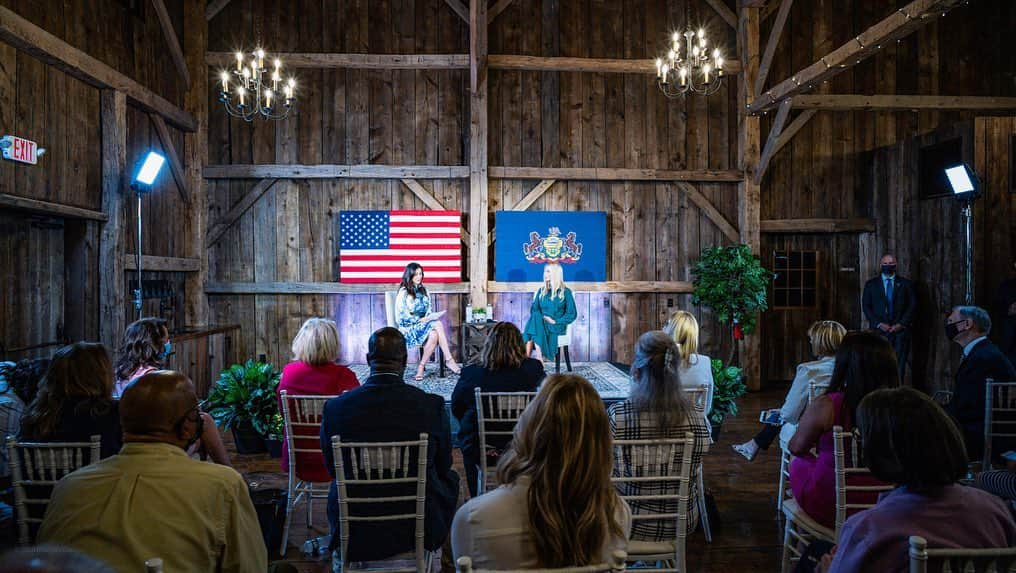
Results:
<point x="657" y="408"/>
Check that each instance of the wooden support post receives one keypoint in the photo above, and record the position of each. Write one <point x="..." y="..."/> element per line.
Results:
<point x="172" y="41"/>
<point x="478" y="191"/>
<point x="893" y="102"/>
<point x="749" y="198"/>
<point x="726" y="13"/>
<point x="497" y="8"/>
<point x="792" y="129"/>
<point x="771" y="143"/>
<point x="195" y="156"/>
<point x="112" y="303"/>
<point x="774" y="40"/>
<point x="710" y="211"/>
<point x="461" y="10"/>
<point x="175" y="165"/>
<point x="214" y="7"/>
<point x="431" y="201"/>
<point x="236" y="211"/>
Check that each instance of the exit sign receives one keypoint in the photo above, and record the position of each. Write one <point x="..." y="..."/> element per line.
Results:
<point x="19" y="149"/>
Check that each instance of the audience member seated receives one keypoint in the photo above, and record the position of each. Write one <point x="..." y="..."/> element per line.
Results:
<point x="50" y="559"/>
<point x="999" y="482"/>
<point x="152" y="500"/>
<point x="825" y="337"/>
<point x="386" y="409"/>
<point x="556" y="506"/>
<point x="865" y="362"/>
<point x="694" y="369"/>
<point x="969" y="326"/>
<point x="910" y="441"/>
<point x="657" y="408"/>
<point x="503" y="367"/>
<point x="19" y="383"/>
<point x="314" y="372"/>
<point x="146" y="348"/>
<point x="73" y="402"/>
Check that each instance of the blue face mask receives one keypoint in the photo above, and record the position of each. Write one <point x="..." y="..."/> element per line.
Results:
<point x="167" y="349"/>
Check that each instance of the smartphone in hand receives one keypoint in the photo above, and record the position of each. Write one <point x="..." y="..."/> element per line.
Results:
<point x="771" y="417"/>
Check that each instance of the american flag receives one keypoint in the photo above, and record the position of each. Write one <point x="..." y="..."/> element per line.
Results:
<point x="376" y="246"/>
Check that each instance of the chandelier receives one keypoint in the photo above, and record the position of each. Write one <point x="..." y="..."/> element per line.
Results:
<point x="245" y="92"/>
<point x="695" y="71"/>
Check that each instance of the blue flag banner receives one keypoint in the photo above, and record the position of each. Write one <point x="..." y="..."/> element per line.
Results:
<point x="527" y="240"/>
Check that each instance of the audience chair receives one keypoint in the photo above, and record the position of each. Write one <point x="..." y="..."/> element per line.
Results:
<point x="697" y="396"/>
<point x="390" y="314"/>
<point x="563" y="342"/>
<point x="39" y="466"/>
<point x="381" y="464"/>
<point x="656" y="471"/>
<point x="801" y="529"/>
<point x="299" y="414"/>
<point x="999" y="415"/>
<point x="496" y="415"/>
<point x="999" y="560"/>
<point x="814" y="391"/>
<point x="465" y="565"/>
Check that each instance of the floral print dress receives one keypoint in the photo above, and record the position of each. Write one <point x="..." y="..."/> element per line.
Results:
<point x="408" y="312"/>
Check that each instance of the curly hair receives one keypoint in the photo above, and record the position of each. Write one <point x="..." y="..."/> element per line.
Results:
<point x="23" y="378"/>
<point x="503" y="348"/>
<point x="142" y="344"/>
<point x="80" y="370"/>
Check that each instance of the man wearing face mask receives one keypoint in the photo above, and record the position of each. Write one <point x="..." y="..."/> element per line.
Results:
<point x="889" y="303"/>
<point x="151" y="499"/>
<point x="969" y="326"/>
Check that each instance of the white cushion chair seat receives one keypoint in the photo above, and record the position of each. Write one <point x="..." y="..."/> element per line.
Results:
<point x="652" y="550"/>
<point x="793" y="511"/>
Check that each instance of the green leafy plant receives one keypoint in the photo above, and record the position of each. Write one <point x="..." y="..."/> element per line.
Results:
<point x="275" y="427"/>
<point x="728" y="386"/>
<point x="245" y="393"/>
<point x="732" y="282"/>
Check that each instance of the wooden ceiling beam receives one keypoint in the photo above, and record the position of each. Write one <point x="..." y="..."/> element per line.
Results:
<point x="597" y="65"/>
<point x="791" y="130"/>
<point x="726" y="13"/>
<point x="793" y="226"/>
<point x="831" y="102"/>
<point x="461" y="9"/>
<point x="774" y="135"/>
<point x="47" y="208"/>
<point x="615" y="174"/>
<point x="47" y="48"/>
<point x="356" y="61"/>
<point x="175" y="165"/>
<point x="897" y="25"/>
<point x="172" y="41"/>
<point x="166" y="264"/>
<point x="324" y="171"/>
<point x="774" y="40"/>
<point x="214" y="7"/>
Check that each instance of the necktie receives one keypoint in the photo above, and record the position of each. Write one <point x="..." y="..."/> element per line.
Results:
<point x="889" y="295"/>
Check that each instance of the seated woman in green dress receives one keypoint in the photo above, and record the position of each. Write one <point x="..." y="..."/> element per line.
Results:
<point x="552" y="311"/>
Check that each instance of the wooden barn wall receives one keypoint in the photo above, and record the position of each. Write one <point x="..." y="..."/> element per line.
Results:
<point x="52" y="261"/>
<point x="545" y="119"/>
<point x="826" y="169"/>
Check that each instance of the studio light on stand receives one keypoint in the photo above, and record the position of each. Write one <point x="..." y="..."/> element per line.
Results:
<point x="144" y="177"/>
<point x="965" y="187"/>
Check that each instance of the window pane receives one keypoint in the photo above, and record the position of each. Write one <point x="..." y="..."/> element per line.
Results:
<point x="809" y="259"/>
<point x="779" y="297"/>
<point x="795" y="259"/>
<point x="794" y="298"/>
<point x="780" y="280"/>
<point x="808" y="298"/>
<point x="795" y="279"/>
<point x="809" y="279"/>
<point x="780" y="258"/>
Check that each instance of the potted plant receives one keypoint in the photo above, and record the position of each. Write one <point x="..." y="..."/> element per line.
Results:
<point x="274" y="439"/>
<point x="732" y="282"/>
<point x="243" y="400"/>
<point x="728" y="386"/>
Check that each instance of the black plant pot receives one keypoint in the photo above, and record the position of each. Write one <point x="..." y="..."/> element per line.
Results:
<point x="715" y="431"/>
<point x="274" y="447"/>
<point x="247" y="440"/>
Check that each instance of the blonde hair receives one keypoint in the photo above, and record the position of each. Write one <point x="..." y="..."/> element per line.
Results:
<point x="562" y="443"/>
<point x="317" y="342"/>
<point x="556" y="282"/>
<point x="825" y="337"/>
<point x="683" y="328"/>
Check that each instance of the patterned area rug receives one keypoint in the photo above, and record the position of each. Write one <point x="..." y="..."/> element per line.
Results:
<point x="611" y="382"/>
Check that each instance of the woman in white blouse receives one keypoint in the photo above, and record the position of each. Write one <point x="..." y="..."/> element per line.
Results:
<point x="556" y="506"/>
<point x="825" y="337"/>
<point x="693" y="369"/>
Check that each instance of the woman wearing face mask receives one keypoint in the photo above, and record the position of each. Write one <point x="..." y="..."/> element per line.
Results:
<point x="552" y="311"/>
<point x="145" y="348"/>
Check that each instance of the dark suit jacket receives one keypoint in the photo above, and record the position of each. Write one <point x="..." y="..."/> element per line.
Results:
<point x="525" y="378"/>
<point x="876" y="306"/>
<point x="387" y="409"/>
<point x="967" y="405"/>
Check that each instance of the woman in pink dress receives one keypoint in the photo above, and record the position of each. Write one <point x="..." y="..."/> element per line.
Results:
<point x="313" y="372"/>
<point x="865" y="362"/>
<point x="145" y="348"/>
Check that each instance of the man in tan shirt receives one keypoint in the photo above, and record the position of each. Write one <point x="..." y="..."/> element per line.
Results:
<point x="152" y="500"/>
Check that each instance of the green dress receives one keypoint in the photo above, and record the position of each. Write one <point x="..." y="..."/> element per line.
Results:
<point x="544" y="334"/>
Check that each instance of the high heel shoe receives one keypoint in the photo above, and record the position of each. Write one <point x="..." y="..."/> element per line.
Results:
<point x="419" y="373"/>
<point x="454" y="367"/>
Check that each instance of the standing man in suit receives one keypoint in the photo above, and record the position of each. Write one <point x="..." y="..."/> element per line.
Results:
<point x="969" y="326"/>
<point x="386" y="409"/>
<point x="889" y="302"/>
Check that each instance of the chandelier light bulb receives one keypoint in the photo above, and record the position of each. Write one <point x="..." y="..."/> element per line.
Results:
<point x="241" y="92"/>
<point x="291" y="83"/>
<point x="278" y="64"/>
<point x="225" y="81"/>
<point x="677" y="37"/>
<point x="246" y="73"/>
<point x="695" y="52"/>
<point x="671" y="55"/>
<point x="239" y="61"/>
<point x="701" y="33"/>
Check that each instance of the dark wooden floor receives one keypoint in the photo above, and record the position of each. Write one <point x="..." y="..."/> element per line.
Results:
<point x="746" y="541"/>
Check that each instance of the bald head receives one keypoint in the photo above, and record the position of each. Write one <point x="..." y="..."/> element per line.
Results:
<point x="152" y="407"/>
<point x="386" y="351"/>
